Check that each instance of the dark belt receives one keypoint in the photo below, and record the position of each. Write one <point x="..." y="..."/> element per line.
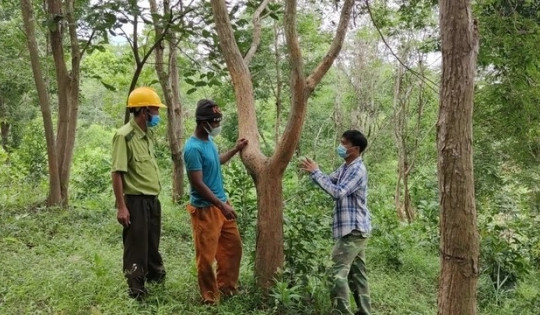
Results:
<point x="151" y="197"/>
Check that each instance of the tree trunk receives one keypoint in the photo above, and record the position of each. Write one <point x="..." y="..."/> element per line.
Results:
<point x="176" y="131"/>
<point x="398" y="134"/>
<point x="5" y="127"/>
<point x="269" y="243"/>
<point x="459" y="238"/>
<point x="56" y="17"/>
<point x="54" y="197"/>
<point x="169" y="84"/>
<point x="73" y="101"/>
<point x="67" y="86"/>
<point x="410" y="214"/>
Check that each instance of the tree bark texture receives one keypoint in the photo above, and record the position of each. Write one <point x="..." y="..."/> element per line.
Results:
<point x="269" y="251"/>
<point x="54" y="197"/>
<point x="459" y="238"/>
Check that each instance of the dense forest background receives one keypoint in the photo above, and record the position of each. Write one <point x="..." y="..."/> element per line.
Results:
<point x="61" y="250"/>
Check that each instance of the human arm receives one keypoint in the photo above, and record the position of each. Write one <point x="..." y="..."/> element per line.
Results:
<point x="196" y="181"/>
<point x="350" y="182"/>
<point x="119" y="167"/>
<point x="311" y="166"/>
<point x="328" y="183"/>
<point x="240" y="144"/>
<point x="122" y="214"/>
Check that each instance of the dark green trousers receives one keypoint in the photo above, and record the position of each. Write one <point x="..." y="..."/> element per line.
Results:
<point x="349" y="274"/>
<point x="142" y="260"/>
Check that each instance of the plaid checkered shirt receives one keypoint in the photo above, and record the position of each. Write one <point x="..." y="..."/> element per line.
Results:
<point x="348" y="186"/>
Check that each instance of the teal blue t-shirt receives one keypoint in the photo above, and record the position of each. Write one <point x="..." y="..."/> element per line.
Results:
<point x="201" y="155"/>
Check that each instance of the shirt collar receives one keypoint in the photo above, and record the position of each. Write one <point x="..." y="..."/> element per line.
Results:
<point x="358" y="159"/>
<point x="138" y="131"/>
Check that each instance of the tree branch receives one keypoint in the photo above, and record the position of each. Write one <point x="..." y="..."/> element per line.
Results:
<point x="256" y="31"/>
<point x="335" y="47"/>
<point x="291" y="135"/>
<point x="291" y="37"/>
<point x="435" y="86"/>
<point x="88" y="43"/>
<point x="242" y="84"/>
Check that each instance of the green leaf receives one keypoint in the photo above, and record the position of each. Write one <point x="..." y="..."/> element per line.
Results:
<point x="206" y="34"/>
<point x="191" y="91"/>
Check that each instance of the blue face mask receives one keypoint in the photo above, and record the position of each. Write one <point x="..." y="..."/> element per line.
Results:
<point x="154" y="120"/>
<point x="342" y="151"/>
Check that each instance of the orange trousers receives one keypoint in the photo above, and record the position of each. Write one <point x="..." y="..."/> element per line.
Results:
<point x="216" y="240"/>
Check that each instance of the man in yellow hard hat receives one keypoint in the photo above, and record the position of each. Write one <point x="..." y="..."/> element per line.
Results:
<point x="135" y="179"/>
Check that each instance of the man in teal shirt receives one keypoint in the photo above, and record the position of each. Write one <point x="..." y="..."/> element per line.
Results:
<point x="215" y="232"/>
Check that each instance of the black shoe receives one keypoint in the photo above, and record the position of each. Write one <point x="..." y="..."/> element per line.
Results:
<point x="157" y="279"/>
<point x="138" y="294"/>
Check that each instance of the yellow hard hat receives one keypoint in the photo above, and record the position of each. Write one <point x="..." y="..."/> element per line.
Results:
<point x="143" y="97"/>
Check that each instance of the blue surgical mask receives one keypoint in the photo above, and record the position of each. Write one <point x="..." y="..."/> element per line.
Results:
<point x="213" y="131"/>
<point x="154" y="120"/>
<point x="341" y="151"/>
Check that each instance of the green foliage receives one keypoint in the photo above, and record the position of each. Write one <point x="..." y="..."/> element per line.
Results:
<point x="390" y="239"/>
<point x="91" y="177"/>
<point x="241" y="192"/>
<point x="33" y="152"/>
<point x="92" y="163"/>
<point x="507" y="100"/>
<point x="505" y="249"/>
<point x="287" y="299"/>
<point x="307" y="232"/>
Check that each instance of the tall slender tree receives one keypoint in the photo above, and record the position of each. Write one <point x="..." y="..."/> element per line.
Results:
<point x="459" y="236"/>
<point x="63" y="22"/>
<point x="168" y="75"/>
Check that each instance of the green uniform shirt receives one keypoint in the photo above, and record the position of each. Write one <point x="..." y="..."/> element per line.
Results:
<point x="133" y="155"/>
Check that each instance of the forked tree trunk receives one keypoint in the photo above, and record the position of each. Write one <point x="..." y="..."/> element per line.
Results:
<point x="67" y="85"/>
<point x="459" y="238"/>
<point x="54" y="197"/>
<point x="268" y="172"/>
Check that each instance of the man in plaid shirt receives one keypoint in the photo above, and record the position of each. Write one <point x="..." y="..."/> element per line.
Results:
<point x="352" y="222"/>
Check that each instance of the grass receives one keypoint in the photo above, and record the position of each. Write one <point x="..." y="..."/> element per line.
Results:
<point x="58" y="261"/>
